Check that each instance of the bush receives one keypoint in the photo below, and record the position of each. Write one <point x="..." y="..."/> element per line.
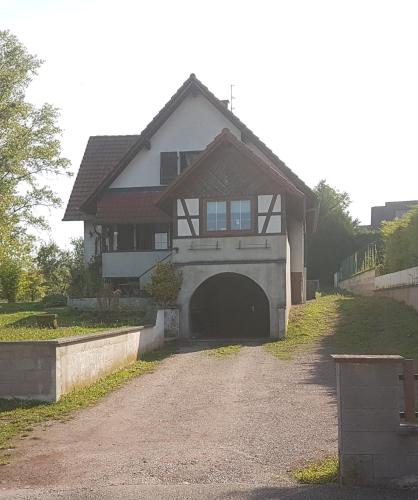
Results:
<point x="54" y="300"/>
<point x="165" y="284"/>
<point x="400" y="238"/>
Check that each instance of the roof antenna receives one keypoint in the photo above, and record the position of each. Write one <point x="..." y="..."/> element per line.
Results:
<point x="232" y="98"/>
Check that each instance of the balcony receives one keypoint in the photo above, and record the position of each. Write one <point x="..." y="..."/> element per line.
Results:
<point x="130" y="264"/>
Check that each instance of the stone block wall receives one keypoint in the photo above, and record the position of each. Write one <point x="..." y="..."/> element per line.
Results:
<point x="375" y="446"/>
<point x="46" y="370"/>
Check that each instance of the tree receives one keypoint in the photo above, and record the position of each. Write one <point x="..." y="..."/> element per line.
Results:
<point x="15" y="260"/>
<point x="165" y="284"/>
<point x="55" y="265"/>
<point x="29" y="140"/>
<point x="335" y="237"/>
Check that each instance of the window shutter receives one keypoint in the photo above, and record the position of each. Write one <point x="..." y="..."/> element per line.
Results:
<point x="168" y="167"/>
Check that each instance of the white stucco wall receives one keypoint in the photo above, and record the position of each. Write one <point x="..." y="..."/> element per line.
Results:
<point x="288" y="282"/>
<point x="130" y="264"/>
<point x="192" y="126"/>
<point x="230" y="248"/>
<point x="296" y="242"/>
<point x="89" y="239"/>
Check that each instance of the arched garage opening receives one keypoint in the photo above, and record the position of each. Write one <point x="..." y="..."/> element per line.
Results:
<point x="229" y="305"/>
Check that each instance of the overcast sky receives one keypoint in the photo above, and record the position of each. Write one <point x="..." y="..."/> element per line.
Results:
<point x="330" y="86"/>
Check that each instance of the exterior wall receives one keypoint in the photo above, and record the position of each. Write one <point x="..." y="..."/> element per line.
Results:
<point x="288" y="281"/>
<point x="406" y="294"/>
<point x="296" y="236"/>
<point x="46" y="370"/>
<point x="89" y="241"/>
<point x="360" y="284"/>
<point x="199" y="259"/>
<point x="130" y="264"/>
<point x="406" y="277"/>
<point x="191" y="127"/>
<point x="375" y="447"/>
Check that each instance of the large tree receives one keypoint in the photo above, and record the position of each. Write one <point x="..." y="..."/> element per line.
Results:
<point x="30" y="150"/>
<point x="335" y="237"/>
<point x="29" y="140"/>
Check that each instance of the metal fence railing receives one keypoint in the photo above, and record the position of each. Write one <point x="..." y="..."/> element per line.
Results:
<point x="363" y="260"/>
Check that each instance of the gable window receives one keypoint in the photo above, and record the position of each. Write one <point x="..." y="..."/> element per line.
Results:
<point x="173" y="163"/>
<point x="240" y="215"/>
<point x="229" y="216"/>
<point x="216" y="215"/>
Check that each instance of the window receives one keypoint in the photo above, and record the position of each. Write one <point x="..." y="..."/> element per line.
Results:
<point x="216" y="215"/>
<point x="168" y="167"/>
<point x="173" y="163"/>
<point x="241" y="215"/>
<point x="225" y="215"/>
<point x="161" y="241"/>
<point x="187" y="158"/>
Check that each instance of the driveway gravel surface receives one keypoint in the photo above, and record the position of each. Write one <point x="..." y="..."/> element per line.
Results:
<point x="197" y="427"/>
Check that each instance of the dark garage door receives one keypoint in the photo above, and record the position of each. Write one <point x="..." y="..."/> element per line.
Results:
<point x="229" y="305"/>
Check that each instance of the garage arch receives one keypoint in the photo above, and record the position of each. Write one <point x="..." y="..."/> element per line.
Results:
<point x="229" y="305"/>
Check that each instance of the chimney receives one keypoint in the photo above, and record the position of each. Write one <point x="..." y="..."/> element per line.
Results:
<point x="225" y="102"/>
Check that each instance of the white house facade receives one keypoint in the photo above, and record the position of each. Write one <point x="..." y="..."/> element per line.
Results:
<point x="198" y="188"/>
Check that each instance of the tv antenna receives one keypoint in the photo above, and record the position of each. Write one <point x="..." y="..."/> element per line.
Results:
<point x="232" y="97"/>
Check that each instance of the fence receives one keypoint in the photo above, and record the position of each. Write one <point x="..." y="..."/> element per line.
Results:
<point x="363" y="260"/>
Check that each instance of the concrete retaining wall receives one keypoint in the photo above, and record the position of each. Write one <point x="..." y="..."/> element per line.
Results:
<point x="45" y="370"/>
<point x="375" y="446"/>
<point x="406" y="277"/>
<point x="407" y="294"/>
<point x="360" y="284"/>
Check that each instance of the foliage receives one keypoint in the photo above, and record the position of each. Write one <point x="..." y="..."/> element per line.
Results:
<point x="334" y="238"/>
<point x="18" y="416"/>
<point x="86" y="281"/>
<point x="323" y="472"/>
<point x="31" y="284"/>
<point x="54" y="300"/>
<point x="165" y="284"/>
<point x="29" y="140"/>
<point x="17" y="321"/>
<point x="400" y="238"/>
<point x="14" y="263"/>
<point x="55" y="265"/>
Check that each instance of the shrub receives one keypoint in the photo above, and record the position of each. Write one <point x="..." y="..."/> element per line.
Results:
<point x="400" y="238"/>
<point x="54" y="300"/>
<point x="165" y="284"/>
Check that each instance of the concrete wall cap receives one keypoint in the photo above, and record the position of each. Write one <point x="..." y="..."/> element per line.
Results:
<point x="367" y="358"/>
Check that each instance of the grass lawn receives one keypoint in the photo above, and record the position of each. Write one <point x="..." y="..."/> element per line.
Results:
<point x="351" y="325"/>
<point x="224" y="350"/>
<point x="17" y="322"/>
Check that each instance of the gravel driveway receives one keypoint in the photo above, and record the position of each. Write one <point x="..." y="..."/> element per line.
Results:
<point x="239" y="423"/>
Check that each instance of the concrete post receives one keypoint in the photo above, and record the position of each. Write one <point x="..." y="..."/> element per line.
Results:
<point x="375" y="446"/>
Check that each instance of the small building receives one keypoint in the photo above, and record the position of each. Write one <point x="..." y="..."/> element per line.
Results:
<point x="389" y="211"/>
<point x="200" y="189"/>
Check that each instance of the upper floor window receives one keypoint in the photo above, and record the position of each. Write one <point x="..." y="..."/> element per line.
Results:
<point x="229" y="215"/>
<point x="173" y="163"/>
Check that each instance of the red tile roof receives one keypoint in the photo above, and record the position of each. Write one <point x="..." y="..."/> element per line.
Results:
<point x="101" y="156"/>
<point x="128" y="206"/>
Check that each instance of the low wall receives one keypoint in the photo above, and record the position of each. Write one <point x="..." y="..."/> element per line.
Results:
<point x="124" y="303"/>
<point x="376" y="447"/>
<point x="407" y="294"/>
<point x="360" y="284"/>
<point x="46" y="370"/>
<point x="406" y="277"/>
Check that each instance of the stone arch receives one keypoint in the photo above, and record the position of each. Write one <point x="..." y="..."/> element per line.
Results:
<point x="229" y="305"/>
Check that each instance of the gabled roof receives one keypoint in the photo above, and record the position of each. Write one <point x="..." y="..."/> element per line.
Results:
<point x="101" y="156"/>
<point x="226" y="137"/>
<point x="192" y="86"/>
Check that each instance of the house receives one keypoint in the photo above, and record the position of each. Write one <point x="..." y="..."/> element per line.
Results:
<point x="389" y="211"/>
<point x="199" y="188"/>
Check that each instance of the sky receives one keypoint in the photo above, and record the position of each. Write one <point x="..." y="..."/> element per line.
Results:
<point x="330" y="86"/>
